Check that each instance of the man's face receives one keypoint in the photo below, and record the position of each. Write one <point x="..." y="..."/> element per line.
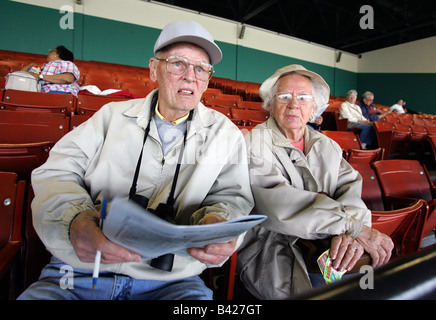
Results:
<point x="178" y="94"/>
<point x="368" y="100"/>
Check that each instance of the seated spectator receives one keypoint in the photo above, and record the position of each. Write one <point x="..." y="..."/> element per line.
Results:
<point x="398" y="107"/>
<point x="349" y="110"/>
<point x="301" y="181"/>
<point x="316" y="123"/>
<point x="141" y="149"/>
<point x="59" y="74"/>
<point x="368" y="108"/>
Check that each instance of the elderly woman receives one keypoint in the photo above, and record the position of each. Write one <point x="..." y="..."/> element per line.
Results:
<point x="59" y="74"/>
<point x="302" y="183"/>
<point x="351" y="111"/>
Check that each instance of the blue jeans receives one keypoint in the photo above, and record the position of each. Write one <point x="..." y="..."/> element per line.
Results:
<point x="59" y="281"/>
<point x="367" y="134"/>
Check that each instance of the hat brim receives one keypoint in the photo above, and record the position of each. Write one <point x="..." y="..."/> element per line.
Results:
<point x="211" y="48"/>
<point x="267" y="85"/>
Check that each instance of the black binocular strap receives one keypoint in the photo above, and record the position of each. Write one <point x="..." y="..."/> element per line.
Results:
<point x="171" y="199"/>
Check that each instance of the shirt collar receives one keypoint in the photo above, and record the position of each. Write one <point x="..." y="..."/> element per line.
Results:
<point x="175" y="122"/>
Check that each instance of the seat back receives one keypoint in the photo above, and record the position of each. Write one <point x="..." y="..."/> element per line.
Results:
<point x="246" y="115"/>
<point x="404" y="226"/>
<point x="35" y="255"/>
<point x="371" y="190"/>
<point x="404" y="178"/>
<point x="26" y="127"/>
<point x="90" y="104"/>
<point x="38" y="101"/>
<point x="23" y="158"/>
<point x="224" y="110"/>
<point x="228" y="103"/>
<point x="255" y="105"/>
<point x="346" y="139"/>
<point x="384" y="132"/>
<point x="365" y="156"/>
<point x="12" y="192"/>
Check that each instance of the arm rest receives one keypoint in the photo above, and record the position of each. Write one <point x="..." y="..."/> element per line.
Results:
<point x="8" y="255"/>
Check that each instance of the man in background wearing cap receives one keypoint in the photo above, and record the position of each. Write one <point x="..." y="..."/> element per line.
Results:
<point x="301" y="182"/>
<point x="99" y="160"/>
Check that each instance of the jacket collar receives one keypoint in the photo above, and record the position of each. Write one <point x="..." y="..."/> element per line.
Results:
<point x="278" y="139"/>
<point x="202" y="117"/>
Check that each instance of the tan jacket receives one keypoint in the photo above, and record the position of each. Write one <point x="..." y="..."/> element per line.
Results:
<point x="311" y="196"/>
<point x="352" y="112"/>
<point x="97" y="161"/>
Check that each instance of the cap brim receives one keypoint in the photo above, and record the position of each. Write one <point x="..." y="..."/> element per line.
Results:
<point x="271" y="81"/>
<point x="214" y="52"/>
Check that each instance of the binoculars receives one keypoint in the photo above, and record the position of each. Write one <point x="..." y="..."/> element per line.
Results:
<point x="166" y="212"/>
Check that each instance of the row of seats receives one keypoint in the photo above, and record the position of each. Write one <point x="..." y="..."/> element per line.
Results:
<point x="406" y="217"/>
<point x="401" y="197"/>
<point x="23" y="255"/>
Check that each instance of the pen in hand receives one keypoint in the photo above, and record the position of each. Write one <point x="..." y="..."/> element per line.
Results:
<point x="98" y="254"/>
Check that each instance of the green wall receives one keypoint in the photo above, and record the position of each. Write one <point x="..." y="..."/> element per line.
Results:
<point x="36" y="29"/>
<point x="95" y="38"/>
<point x="417" y="89"/>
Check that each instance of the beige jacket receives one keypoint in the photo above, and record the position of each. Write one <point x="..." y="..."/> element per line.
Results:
<point x="311" y="196"/>
<point x="352" y="112"/>
<point x="97" y="161"/>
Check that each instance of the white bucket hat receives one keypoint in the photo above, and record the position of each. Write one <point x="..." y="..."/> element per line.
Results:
<point x="267" y="85"/>
<point x="191" y="32"/>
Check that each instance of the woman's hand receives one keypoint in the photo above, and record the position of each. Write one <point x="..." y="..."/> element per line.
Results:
<point x="377" y="244"/>
<point x="345" y="251"/>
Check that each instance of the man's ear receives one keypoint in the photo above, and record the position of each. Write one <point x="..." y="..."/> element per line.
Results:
<point x="152" y="64"/>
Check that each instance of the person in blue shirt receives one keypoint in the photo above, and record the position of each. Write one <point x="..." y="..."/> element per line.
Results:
<point x="369" y="110"/>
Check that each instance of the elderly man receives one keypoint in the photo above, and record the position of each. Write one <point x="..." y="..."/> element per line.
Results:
<point x="367" y="106"/>
<point x="349" y="110"/>
<point x="305" y="187"/>
<point x="165" y="149"/>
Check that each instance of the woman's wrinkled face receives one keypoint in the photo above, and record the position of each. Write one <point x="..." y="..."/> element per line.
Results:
<point x="293" y="116"/>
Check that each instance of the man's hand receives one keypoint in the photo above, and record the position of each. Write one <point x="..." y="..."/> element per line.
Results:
<point x="214" y="253"/>
<point x="87" y="238"/>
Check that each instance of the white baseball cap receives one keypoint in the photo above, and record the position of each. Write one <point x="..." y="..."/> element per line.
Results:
<point x="191" y="32"/>
<point x="271" y="81"/>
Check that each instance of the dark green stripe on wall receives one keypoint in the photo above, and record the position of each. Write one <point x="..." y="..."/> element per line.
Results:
<point x="417" y="89"/>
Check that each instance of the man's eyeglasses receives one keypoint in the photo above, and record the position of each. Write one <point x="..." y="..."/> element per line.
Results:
<point x="302" y="99"/>
<point x="178" y="65"/>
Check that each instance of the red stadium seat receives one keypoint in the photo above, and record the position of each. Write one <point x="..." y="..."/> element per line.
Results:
<point x="408" y="179"/>
<point x="255" y="105"/>
<point x="401" y="219"/>
<point x="346" y="139"/>
<point x="26" y="127"/>
<point x="38" y="101"/>
<point x="89" y="104"/>
<point x="223" y="110"/>
<point x="23" y="158"/>
<point x="246" y="115"/>
<point x="12" y="195"/>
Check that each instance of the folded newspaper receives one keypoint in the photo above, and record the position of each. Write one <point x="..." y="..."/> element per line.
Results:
<point x="139" y="230"/>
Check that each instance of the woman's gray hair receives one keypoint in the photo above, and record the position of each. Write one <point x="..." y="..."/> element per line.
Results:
<point x="350" y="93"/>
<point x="317" y="94"/>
